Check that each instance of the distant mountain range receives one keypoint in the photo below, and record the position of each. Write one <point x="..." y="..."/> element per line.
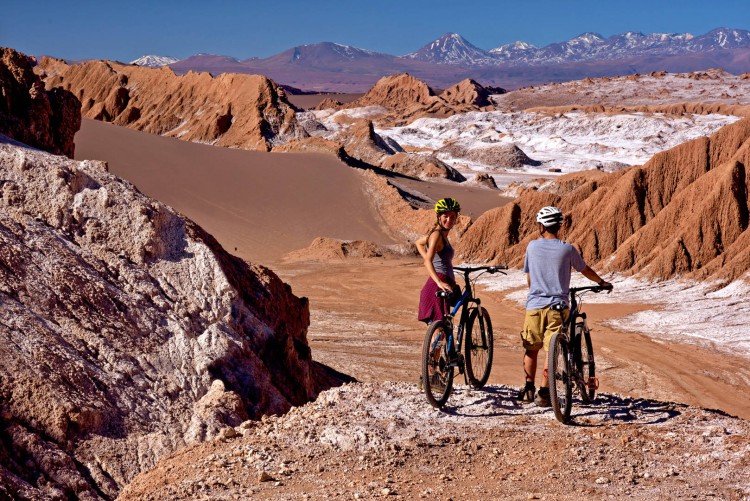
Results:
<point x="154" y="61"/>
<point x="330" y="66"/>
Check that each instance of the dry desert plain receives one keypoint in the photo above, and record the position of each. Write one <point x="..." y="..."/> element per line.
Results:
<point x="261" y="206"/>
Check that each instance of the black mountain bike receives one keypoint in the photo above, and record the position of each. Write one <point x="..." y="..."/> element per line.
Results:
<point x="441" y="352"/>
<point x="571" y="358"/>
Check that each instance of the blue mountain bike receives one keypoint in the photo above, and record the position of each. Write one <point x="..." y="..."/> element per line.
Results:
<point x="441" y="352"/>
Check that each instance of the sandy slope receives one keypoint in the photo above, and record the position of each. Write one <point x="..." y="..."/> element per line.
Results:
<point x="258" y="205"/>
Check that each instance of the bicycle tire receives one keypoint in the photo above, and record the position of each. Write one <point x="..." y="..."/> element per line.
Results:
<point x="437" y="377"/>
<point x="560" y="385"/>
<point x="478" y="348"/>
<point x="586" y="364"/>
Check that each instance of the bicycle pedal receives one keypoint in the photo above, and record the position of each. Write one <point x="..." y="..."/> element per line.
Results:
<point x="593" y="383"/>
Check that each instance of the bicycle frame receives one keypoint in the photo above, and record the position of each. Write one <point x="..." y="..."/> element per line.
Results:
<point x="574" y="336"/>
<point x="466" y="299"/>
<point x="467" y="349"/>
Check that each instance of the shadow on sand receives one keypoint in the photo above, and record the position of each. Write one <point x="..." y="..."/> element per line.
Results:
<point x="606" y="410"/>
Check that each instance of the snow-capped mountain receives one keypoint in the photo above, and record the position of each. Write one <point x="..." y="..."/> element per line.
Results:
<point x="328" y="51"/>
<point x="452" y="48"/>
<point x="153" y="61"/>
<point x="720" y="38"/>
<point x="594" y="47"/>
<point x="575" y="49"/>
<point x="512" y="50"/>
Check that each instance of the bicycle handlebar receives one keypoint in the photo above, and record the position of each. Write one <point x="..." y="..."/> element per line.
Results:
<point x="592" y="288"/>
<point x="489" y="269"/>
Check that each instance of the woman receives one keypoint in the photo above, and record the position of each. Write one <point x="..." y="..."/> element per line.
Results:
<point x="437" y="253"/>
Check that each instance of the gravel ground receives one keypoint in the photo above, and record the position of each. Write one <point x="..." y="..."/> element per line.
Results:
<point x="369" y="440"/>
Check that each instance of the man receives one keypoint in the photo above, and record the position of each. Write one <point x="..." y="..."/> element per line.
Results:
<point x="547" y="264"/>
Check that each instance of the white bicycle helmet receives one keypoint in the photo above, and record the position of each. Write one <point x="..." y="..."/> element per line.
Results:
<point x="549" y="216"/>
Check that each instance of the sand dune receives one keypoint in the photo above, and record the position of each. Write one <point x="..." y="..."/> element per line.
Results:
<point x="261" y="204"/>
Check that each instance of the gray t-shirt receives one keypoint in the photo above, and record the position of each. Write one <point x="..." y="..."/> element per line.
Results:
<point x="548" y="263"/>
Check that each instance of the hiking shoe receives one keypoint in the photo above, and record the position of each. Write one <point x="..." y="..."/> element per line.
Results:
<point x="542" y="398"/>
<point x="526" y="394"/>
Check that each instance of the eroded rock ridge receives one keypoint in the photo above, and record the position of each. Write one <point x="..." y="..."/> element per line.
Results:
<point x="238" y="111"/>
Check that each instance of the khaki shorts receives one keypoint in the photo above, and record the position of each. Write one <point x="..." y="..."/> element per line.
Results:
<point x="540" y="325"/>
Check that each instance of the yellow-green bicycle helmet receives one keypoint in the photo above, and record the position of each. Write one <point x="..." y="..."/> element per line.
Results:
<point x="447" y="205"/>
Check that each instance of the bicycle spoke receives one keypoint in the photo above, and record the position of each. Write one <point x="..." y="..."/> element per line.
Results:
<point x="479" y="348"/>
<point x="437" y="375"/>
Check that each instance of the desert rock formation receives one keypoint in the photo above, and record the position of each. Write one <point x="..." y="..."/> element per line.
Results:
<point x="238" y="111"/>
<point x="39" y="118"/>
<point x="361" y="142"/>
<point x="394" y="100"/>
<point x="467" y="93"/>
<point x="711" y="91"/>
<point x="326" y="249"/>
<point x="682" y="214"/>
<point x="127" y="331"/>
<point x="421" y="166"/>
<point x="495" y="156"/>
<point x="405" y="220"/>
<point x="406" y="98"/>
<point x="358" y="145"/>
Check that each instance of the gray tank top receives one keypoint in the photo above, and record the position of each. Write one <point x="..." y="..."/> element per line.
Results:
<point x="443" y="260"/>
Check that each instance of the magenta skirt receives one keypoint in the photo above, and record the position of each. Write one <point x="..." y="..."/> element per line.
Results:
<point x="431" y="307"/>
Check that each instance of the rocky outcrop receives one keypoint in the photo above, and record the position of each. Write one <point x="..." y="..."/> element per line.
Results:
<point x="361" y="142"/>
<point x="126" y="331"/>
<point x="682" y="214"/>
<point x="360" y="146"/>
<point x="406" y="98"/>
<point x="326" y="249"/>
<point x="328" y="103"/>
<point x="467" y="93"/>
<point x="44" y="119"/>
<point x="484" y="179"/>
<point x="495" y="156"/>
<point x="400" y="219"/>
<point x="421" y="166"/>
<point x="397" y="92"/>
<point x="238" y="111"/>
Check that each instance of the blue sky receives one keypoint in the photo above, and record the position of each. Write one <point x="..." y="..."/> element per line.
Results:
<point x="127" y="30"/>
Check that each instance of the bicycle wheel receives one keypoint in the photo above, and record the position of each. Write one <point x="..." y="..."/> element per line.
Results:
<point x="437" y="376"/>
<point x="585" y="361"/>
<point x="478" y="348"/>
<point x="560" y="385"/>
